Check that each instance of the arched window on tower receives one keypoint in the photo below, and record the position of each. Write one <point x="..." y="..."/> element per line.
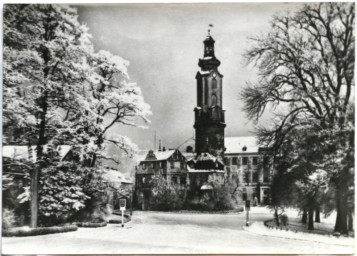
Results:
<point x="214" y="83"/>
<point x="206" y="93"/>
<point x="214" y="99"/>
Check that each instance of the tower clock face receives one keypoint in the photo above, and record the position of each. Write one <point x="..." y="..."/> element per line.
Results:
<point x="214" y="75"/>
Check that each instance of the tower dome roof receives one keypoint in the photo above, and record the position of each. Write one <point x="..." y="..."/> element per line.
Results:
<point x="209" y="38"/>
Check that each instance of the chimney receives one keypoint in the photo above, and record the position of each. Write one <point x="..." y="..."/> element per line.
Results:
<point x="159" y="145"/>
<point x="163" y="149"/>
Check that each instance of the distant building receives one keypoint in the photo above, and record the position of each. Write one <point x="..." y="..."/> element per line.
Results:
<point x="238" y="162"/>
<point x="169" y="164"/>
<point x="249" y="167"/>
<point x="29" y="154"/>
<point x="203" y="168"/>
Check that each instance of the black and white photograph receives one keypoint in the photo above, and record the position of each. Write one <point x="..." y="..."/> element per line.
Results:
<point x="178" y="128"/>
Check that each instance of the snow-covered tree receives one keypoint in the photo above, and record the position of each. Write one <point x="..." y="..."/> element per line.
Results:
<point x="57" y="90"/>
<point x="306" y="77"/>
<point x="114" y="101"/>
<point x="45" y="69"/>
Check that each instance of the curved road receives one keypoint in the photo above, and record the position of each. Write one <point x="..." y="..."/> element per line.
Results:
<point x="158" y="232"/>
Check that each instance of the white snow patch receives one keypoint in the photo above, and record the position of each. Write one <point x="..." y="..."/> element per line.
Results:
<point x="259" y="228"/>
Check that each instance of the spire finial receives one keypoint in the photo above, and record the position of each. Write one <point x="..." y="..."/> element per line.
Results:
<point x="209" y="30"/>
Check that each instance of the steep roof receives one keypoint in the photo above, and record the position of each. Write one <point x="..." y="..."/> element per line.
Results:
<point x="20" y="152"/>
<point x="141" y="155"/>
<point x="235" y="145"/>
<point x="164" y="155"/>
<point x="206" y="161"/>
<point x="189" y="155"/>
<point x="111" y="175"/>
<point x="159" y="155"/>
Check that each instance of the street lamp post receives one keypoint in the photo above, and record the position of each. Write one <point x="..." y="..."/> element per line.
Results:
<point x="247" y="209"/>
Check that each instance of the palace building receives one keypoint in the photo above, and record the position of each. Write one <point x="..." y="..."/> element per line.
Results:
<point x="237" y="162"/>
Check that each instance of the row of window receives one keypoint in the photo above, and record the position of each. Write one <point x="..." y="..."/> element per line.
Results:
<point x="160" y="165"/>
<point x="244" y="160"/>
<point x="254" y="178"/>
<point x="174" y="180"/>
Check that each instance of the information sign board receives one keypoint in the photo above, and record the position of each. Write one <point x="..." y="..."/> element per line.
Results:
<point x="122" y="204"/>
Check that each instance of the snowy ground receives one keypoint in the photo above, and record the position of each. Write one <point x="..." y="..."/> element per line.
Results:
<point x="158" y="232"/>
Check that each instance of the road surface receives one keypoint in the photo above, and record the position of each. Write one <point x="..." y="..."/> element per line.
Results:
<point x="158" y="232"/>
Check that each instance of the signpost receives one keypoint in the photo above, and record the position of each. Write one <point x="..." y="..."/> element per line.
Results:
<point x="122" y="204"/>
<point x="247" y="209"/>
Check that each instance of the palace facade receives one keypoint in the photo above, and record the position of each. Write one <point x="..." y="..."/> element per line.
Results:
<point x="237" y="162"/>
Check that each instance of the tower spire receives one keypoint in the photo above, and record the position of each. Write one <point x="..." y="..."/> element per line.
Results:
<point x="209" y="29"/>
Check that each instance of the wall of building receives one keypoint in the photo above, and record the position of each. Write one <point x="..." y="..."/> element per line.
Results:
<point x="250" y="175"/>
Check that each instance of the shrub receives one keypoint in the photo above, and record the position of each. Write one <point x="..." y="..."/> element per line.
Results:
<point x="164" y="197"/>
<point x="91" y="224"/>
<point x="222" y="199"/>
<point x="8" y="218"/>
<point x="284" y="219"/>
<point x="60" y="193"/>
<point x="38" y="231"/>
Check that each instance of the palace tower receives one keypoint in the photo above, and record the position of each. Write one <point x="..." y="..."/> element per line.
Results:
<point x="209" y="115"/>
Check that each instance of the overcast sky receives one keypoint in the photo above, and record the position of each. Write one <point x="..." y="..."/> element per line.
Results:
<point x="163" y="43"/>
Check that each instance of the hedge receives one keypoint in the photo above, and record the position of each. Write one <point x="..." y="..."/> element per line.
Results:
<point x="91" y="224"/>
<point x="118" y="221"/>
<point x="38" y="231"/>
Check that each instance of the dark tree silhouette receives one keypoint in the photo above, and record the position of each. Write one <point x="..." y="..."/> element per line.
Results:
<point x="306" y="75"/>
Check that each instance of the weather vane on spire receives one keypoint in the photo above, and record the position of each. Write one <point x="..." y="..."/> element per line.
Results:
<point x="209" y="30"/>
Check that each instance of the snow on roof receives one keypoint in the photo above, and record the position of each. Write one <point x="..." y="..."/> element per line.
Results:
<point x="192" y="170"/>
<point x="207" y="157"/>
<point x="141" y="155"/>
<point x="188" y="155"/>
<point x="204" y="72"/>
<point x="19" y="152"/>
<point x="246" y="144"/>
<point x="114" y="176"/>
<point x="63" y="150"/>
<point x="25" y="153"/>
<point x="206" y="187"/>
<point x="163" y="155"/>
<point x="159" y="155"/>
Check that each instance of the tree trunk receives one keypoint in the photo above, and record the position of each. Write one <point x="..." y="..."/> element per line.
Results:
<point x="276" y="217"/>
<point x="304" y="217"/>
<point x="350" y="220"/>
<point x="311" y="219"/>
<point x="341" y="206"/>
<point x="35" y="174"/>
<point x="34" y="196"/>
<point x="317" y="215"/>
